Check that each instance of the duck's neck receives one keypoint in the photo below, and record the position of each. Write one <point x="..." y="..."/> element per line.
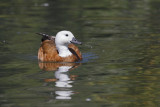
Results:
<point x="63" y="50"/>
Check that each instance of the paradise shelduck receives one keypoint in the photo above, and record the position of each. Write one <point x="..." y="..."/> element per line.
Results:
<point x="59" y="48"/>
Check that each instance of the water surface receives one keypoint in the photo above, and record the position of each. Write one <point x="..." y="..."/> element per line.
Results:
<point x="121" y="48"/>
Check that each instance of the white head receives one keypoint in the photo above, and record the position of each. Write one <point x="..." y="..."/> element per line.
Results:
<point x="62" y="40"/>
<point x="65" y="38"/>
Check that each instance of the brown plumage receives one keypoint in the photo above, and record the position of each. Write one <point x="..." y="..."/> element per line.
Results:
<point x="49" y="52"/>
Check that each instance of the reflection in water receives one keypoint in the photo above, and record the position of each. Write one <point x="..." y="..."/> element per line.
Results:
<point x="63" y="80"/>
<point x="64" y="94"/>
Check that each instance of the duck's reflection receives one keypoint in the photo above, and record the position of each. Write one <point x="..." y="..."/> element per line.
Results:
<point x="62" y="78"/>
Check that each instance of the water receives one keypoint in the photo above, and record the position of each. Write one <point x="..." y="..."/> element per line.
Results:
<point x="121" y="51"/>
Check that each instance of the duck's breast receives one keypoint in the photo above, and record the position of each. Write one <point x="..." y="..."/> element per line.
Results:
<point x="48" y="52"/>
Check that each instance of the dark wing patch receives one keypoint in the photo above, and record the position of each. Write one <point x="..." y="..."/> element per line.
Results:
<point x="73" y="52"/>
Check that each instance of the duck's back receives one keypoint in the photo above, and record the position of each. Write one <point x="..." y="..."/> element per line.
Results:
<point x="48" y="52"/>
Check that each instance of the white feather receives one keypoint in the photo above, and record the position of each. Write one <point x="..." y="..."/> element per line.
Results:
<point x="62" y="41"/>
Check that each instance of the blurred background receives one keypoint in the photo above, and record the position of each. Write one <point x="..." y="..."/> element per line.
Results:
<point x="121" y="53"/>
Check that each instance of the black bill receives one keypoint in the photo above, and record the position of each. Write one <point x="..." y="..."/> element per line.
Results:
<point x="75" y="41"/>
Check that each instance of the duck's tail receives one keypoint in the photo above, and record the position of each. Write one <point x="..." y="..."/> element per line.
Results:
<point x="45" y="36"/>
<point x="42" y="34"/>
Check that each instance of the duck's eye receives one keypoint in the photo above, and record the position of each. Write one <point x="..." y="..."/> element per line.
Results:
<point x="66" y="34"/>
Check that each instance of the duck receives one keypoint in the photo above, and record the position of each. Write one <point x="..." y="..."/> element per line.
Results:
<point x="59" y="48"/>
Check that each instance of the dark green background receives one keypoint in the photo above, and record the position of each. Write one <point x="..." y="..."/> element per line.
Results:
<point x="121" y="50"/>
